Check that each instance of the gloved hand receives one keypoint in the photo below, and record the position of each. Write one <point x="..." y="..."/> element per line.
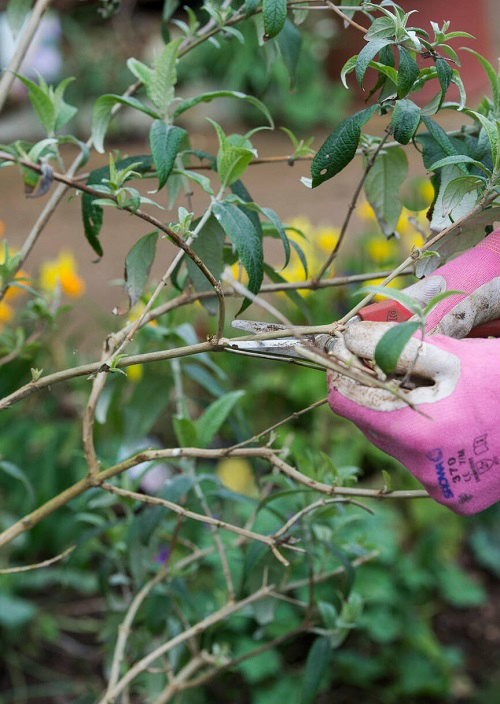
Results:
<point x="454" y="449"/>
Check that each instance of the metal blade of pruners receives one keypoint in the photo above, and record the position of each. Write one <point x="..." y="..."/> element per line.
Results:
<point x="285" y="346"/>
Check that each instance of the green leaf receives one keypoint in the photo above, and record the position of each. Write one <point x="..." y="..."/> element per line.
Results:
<point x="440" y="297"/>
<point x="451" y="53"/>
<point x="214" y="416"/>
<point x="491" y="129"/>
<point x="457" y="159"/>
<point x="385" y="70"/>
<point x="101" y="115"/>
<point x="387" y="481"/>
<point x="458" y="588"/>
<point x="339" y="148"/>
<point x="164" y="142"/>
<point x="460" y="238"/>
<point x="407" y="73"/>
<point x="142" y="72"/>
<point x="208" y="97"/>
<point x="239" y="189"/>
<point x="349" y="66"/>
<point x="381" y="28"/>
<point x="317" y="663"/>
<point x="240" y="230"/>
<point x="209" y="246"/>
<point x="382" y="185"/>
<point x="290" y="41"/>
<point x="92" y="214"/>
<point x="251" y="6"/>
<point x="63" y="112"/>
<point x="436" y="143"/>
<point x="493" y="78"/>
<point x="273" y="217"/>
<point x="405" y="120"/>
<point x="439" y="219"/>
<point x="186" y="433"/>
<point x="368" y="53"/>
<point x="232" y="163"/>
<point x="15" y="612"/>
<point x="457" y="80"/>
<point x="444" y="72"/>
<point x="41" y="100"/>
<point x="390" y="345"/>
<point x="17" y="10"/>
<point x="274" y="16"/>
<point x="17" y="473"/>
<point x="160" y="87"/>
<point x="456" y="189"/>
<point x="169" y="7"/>
<point x="329" y="614"/>
<point x="301" y="256"/>
<point x="202" y="181"/>
<point x="138" y="265"/>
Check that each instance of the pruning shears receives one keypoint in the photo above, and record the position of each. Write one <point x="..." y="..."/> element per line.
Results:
<point x="286" y="347"/>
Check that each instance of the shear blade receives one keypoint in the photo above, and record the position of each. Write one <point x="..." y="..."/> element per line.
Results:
<point x="284" y="347"/>
<point x="256" y="326"/>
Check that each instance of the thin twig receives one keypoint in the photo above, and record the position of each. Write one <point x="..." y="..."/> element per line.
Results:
<point x="292" y="416"/>
<point x="23" y="44"/>
<point x="346" y="18"/>
<point x="331" y="489"/>
<point x="234" y="662"/>
<point x="200" y="627"/>
<point x="312" y="507"/>
<point x="38" y="565"/>
<point x="352" y="205"/>
<point x="125" y="626"/>
<point x="180" y="400"/>
<point x="208" y="519"/>
<point x="56" y="502"/>
<point x="176" y="684"/>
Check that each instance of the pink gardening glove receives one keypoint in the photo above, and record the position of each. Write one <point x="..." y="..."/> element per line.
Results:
<point x="454" y="449"/>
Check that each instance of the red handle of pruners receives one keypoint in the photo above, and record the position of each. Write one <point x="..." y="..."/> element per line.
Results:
<point x="394" y="312"/>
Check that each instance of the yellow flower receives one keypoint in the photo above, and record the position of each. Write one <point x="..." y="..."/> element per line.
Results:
<point x="302" y="223"/>
<point x="380" y="250"/>
<point x="377" y="282"/>
<point x="239" y="273"/>
<point x="136" y="312"/>
<point x="316" y="245"/>
<point x="6" y="313"/>
<point x="327" y="238"/>
<point x="61" y="273"/>
<point x="21" y="276"/>
<point x="134" y="373"/>
<point x="237" y="475"/>
<point x="427" y="191"/>
<point x="365" y="211"/>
